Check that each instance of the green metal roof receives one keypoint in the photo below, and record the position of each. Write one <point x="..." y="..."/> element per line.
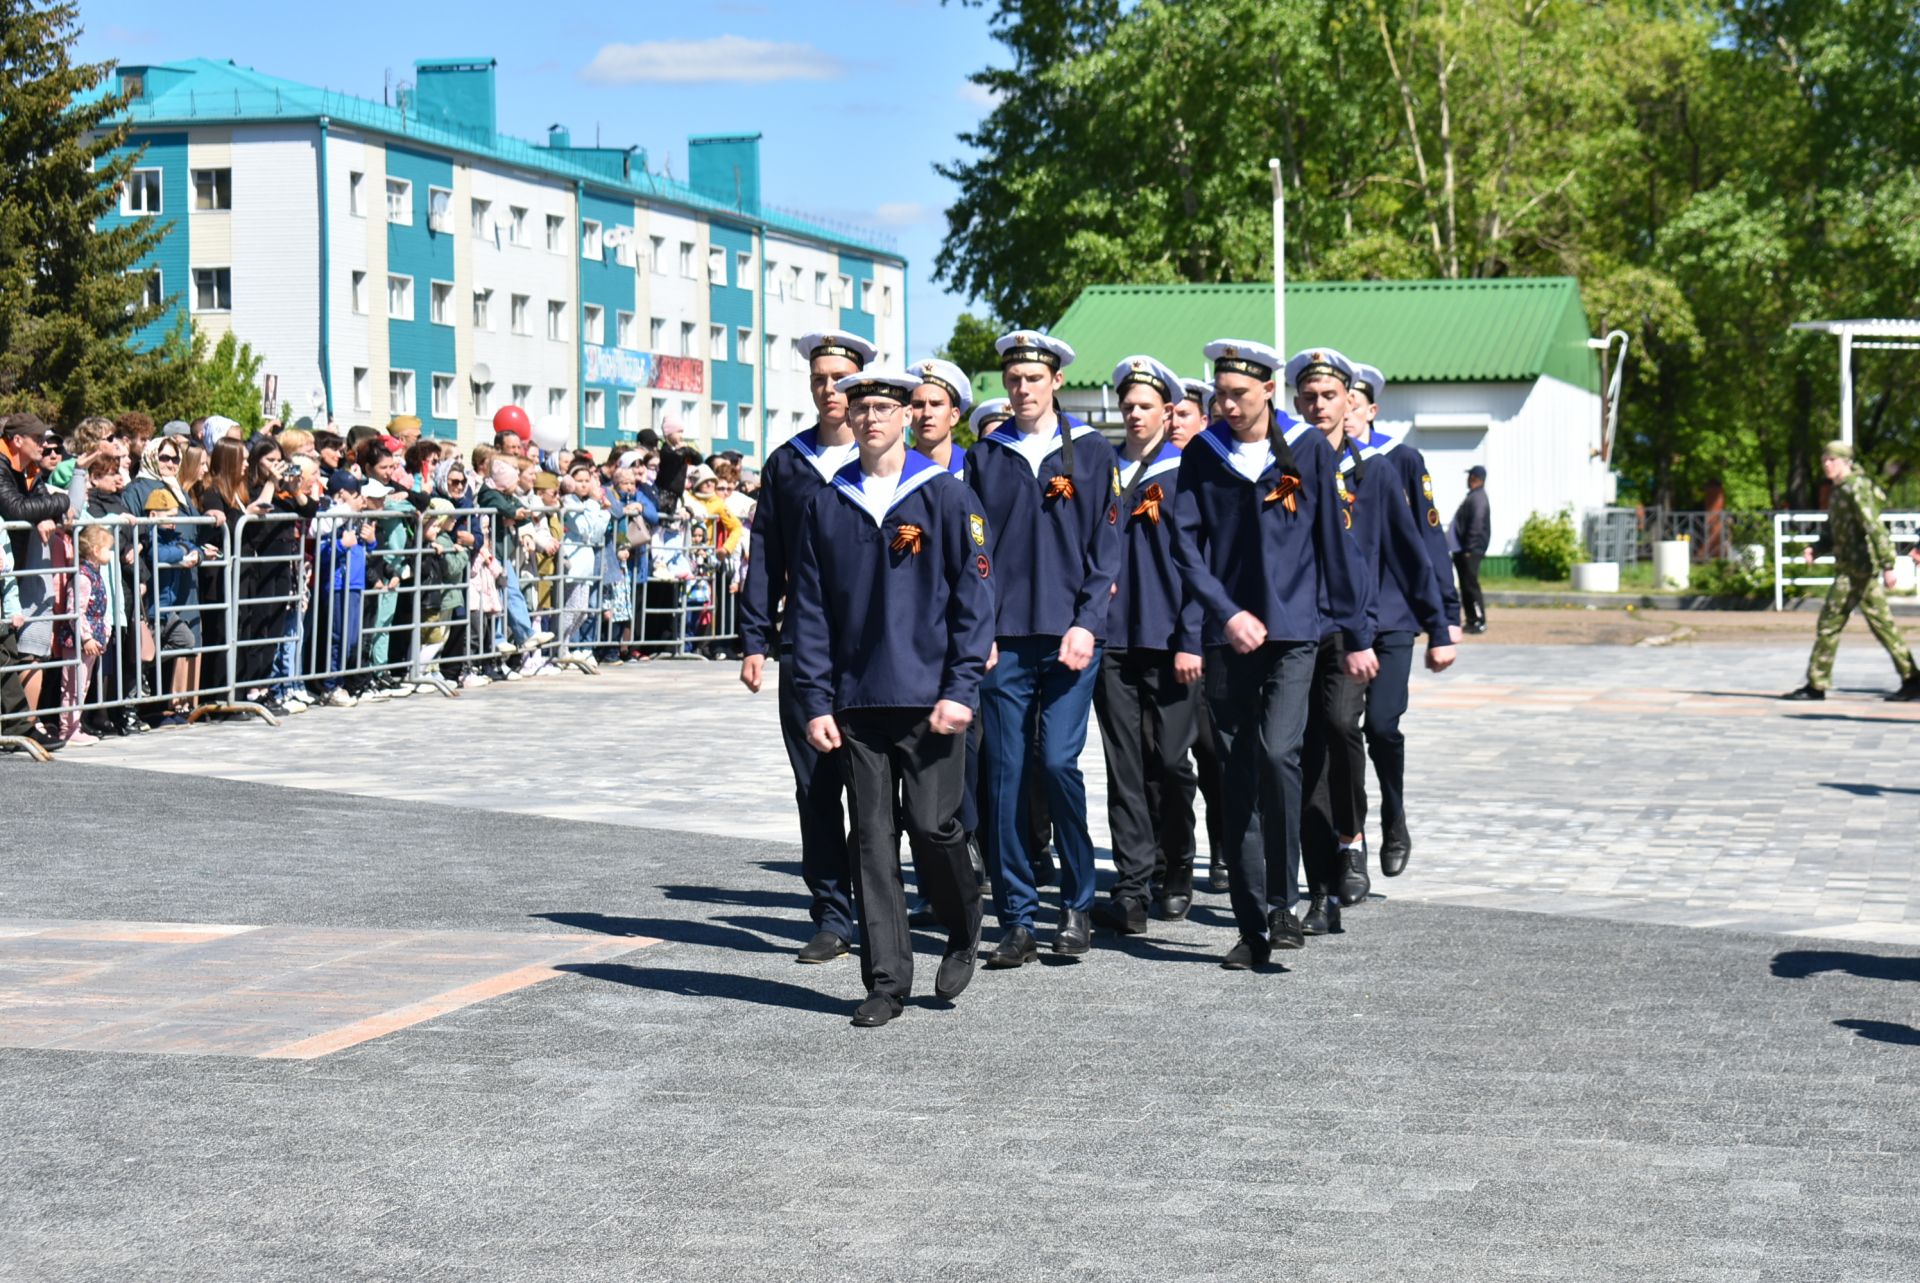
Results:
<point x="202" y="91"/>
<point x="1492" y="331"/>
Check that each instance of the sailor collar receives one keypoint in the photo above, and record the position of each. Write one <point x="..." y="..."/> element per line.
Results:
<point x="1219" y="437"/>
<point x="917" y="471"/>
<point x="1166" y="459"/>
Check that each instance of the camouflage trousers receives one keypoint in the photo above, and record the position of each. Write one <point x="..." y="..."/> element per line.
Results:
<point x="1867" y="594"/>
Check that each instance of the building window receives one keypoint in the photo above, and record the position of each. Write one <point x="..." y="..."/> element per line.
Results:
<point x="743" y="345"/>
<point x="557" y="403"/>
<point x="141" y="195"/>
<point x="400" y="297"/>
<point x="625" y="404"/>
<point x="657" y="254"/>
<point x="745" y="420"/>
<point x="689" y="415"/>
<point x="820" y="289"/>
<point x="843" y="296"/>
<point x="590" y="246"/>
<point x="440" y="302"/>
<point x="556" y="320"/>
<point x="213" y="289"/>
<point x="517" y="319"/>
<point x="443" y="396"/>
<point x="886" y="300"/>
<point x="686" y="338"/>
<point x="717" y="342"/>
<point x="400" y="391"/>
<point x="483" y="309"/>
<point x="866" y="297"/>
<point x="595" y="324"/>
<point x="516" y="225"/>
<point x="133" y="84"/>
<point x="522" y="395"/>
<point x="800" y="361"/>
<point x="716" y="266"/>
<point x="360" y="381"/>
<point x="623" y="329"/>
<point x="556" y="234"/>
<point x="480" y="218"/>
<point x="776" y="283"/>
<point x="357" y="194"/>
<point x="742" y="270"/>
<point x="799" y="421"/>
<point x="773" y="351"/>
<point x="658" y="413"/>
<point x="440" y="210"/>
<point x="483" y="399"/>
<point x="686" y="259"/>
<point x="213" y="189"/>
<point x="399" y="201"/>
<point x="153" y="292"/>
<point x="595" y="414"/>
<point x="656" y="335"/>
<point x="360" y="293"/>
<point x="794" y="292"/>
<point x="717" y="419"/>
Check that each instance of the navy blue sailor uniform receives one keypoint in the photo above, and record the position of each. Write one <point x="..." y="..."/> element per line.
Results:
<point x="1053" y="548"/>
<point x="794" y="474"/>
<point x="1276" y="546"/>
<point x="1406" y="599"/>
<point x="867" y="592"/>
<point x="1147" y="718"/>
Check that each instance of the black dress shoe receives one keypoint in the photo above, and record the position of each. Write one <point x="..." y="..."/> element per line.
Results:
<point x="1217" y="876"/>
<point x="1126" y="917"/>
<point x="956" y="970"/>
<point x="877" y="1010"/>
<point x="824" y="947"/>
<point x="1016" y="949"/>
<point x="1354" y="883"/>
<point x="922" y="915"/>
<point x="1283" y="930"/>
<point x="1075" y="935"/>
<point x="1323" y="916"/>
<point x="1805" y="692"/>
<point x="1045" y="872"/>
<point x="1173" y="908"/>
<point x="1395" y="849"/>
<point x="1908" y="693"/>
<point x="1246" y="955"/>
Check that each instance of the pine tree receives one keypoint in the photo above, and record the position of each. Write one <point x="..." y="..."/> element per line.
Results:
<point x="69" y="297"/>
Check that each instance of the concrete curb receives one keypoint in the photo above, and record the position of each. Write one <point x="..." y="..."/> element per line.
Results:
<point x="1671" y="601"/>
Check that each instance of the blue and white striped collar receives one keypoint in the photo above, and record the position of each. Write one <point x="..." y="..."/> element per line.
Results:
<point x="1009" y="435"/>
<point x="1220" y="436"/>
<point x="1380" y="443"/>
<point x="917" y="471"/>
<point x="1166" y="459"/>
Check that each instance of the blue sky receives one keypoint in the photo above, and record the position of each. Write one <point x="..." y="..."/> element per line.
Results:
<point x="855" y="111"/>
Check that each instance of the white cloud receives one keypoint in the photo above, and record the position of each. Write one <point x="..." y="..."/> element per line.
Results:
<point x="720" y="60"/>
<point x="900" y="213"/>
<point x="979" y="95"/>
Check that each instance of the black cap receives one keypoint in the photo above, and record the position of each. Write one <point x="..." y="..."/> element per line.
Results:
<point x="343" y="482"/>
<point x="1477" y="472"/>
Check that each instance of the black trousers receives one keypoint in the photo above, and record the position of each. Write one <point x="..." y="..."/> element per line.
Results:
<point x="1333" y="771"/>
<point x="1259" y="704"/>
<point x="825" y="864"/>
<point x="887" y="754"/>
<point x="1473" y="607"/>
<point x="1204" y="774"/>
<point x="1386" y="704"/>
<point x="1146" y="727"/>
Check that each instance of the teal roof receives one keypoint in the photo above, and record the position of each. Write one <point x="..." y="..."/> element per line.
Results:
<point x="202" y="91"/>
<point x="1493" y="331"/>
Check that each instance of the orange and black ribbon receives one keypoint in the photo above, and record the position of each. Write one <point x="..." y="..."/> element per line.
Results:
<point x="1284" y="493"/>
<point x="1060" y="487"/>
<point x="1149" y="505"/>
<point x="907" y="538"/>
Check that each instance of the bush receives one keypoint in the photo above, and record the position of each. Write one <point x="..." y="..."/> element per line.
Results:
<point x="1731" y="579"/>
<point x="1549" y="545"/>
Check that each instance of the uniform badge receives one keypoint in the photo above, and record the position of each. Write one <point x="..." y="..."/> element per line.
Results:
<point x="1116" y="483"/>
<point x="1113" y="513"/>
<point x="977" y="529"/>
<point x="1433" y="516"/>
<point x="1426" y="485"/>
<point x="1346" y="519"/>
<point x="1340" y="485"/>
<point x="1061" y="487"/>
<point x="1229" y="351"/>
<point x="981" y="563"/>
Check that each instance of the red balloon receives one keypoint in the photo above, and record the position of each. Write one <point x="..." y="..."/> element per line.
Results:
<point x="511" y="418"/>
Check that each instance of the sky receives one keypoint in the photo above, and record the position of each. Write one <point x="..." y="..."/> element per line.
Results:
<point x="855" y="111"/>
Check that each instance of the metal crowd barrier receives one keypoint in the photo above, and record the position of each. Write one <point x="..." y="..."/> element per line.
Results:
<point x="1793" y="531"/>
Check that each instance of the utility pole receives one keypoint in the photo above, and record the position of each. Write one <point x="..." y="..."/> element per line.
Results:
<point x="1279" y="261"/>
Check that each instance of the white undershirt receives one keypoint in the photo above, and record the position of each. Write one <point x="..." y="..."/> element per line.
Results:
<point x="876" y="493"/>
<point x="1034" y="447"/>
<point x="832" y="458"/>
<point x="1250" y="458"/>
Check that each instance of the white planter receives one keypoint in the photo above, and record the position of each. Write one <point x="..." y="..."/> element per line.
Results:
<point x="1672" y="563"/>
<point x="1596" y="576"/>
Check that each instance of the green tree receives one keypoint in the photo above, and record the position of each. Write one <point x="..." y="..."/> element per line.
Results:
<point x="970" y="346"/>
<point x="70" y="300"/>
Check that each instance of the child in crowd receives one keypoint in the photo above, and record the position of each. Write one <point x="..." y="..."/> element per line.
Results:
<point x="85" y="636"/>
<point x="585" y="524"/>
<point x="341" y="536"/>
<point x="171" y="558"/>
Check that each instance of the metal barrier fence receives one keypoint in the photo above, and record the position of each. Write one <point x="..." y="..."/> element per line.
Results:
<point x="1801" y="530"/>
<point x="1627" y="535"/>
<point x="283" y="610"/>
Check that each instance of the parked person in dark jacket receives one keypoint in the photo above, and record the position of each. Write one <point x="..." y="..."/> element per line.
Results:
<point x="1471" y="532"/>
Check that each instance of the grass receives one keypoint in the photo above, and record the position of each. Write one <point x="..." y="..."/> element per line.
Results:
<point x="1636" y="578"/>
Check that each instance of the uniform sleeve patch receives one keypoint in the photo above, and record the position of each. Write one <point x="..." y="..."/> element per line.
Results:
<point x="1116" y="482"/>
<point x="1346" y="518"/>
<point x="977" y="529"/>
<point x="980" y="563"/>
<point x="1433" y="516"/>
<point x="1426" y="486"/>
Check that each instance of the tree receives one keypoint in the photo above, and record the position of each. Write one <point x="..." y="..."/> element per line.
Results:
<point x="70" y="299"/>
<point x="970" y="346"/>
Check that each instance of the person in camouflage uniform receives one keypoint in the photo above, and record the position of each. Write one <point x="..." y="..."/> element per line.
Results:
<point x="1863" y="560"/>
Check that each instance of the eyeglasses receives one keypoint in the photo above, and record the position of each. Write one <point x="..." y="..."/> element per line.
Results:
<point x="877" y="409"/>
<point x="167" y="458"/>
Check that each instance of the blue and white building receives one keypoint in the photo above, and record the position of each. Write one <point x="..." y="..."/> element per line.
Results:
<point x="411" y="259"/>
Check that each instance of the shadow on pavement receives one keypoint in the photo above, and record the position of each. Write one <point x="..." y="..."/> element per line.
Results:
<point x="1868" y="790"/>
<point x="740" y="897"/>
<point x="1798" y="964"/>
<point x="1846" y="717"/>
<point x="1882" y="1031"/>
<point x="713" y="984"/>
<point x="677" y="930"/>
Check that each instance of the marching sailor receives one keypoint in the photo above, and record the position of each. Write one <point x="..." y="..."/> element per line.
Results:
<point x="1047" y="482"/>
<point x="1260" y="540"/>
<point x="938" y="403"/>
<point x="795" y="473"/>
<point x="890" y="554"/>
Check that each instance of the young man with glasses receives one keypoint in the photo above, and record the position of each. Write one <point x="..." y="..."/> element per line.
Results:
<point x="893" y="620"/>
<point x="796" y="472"/>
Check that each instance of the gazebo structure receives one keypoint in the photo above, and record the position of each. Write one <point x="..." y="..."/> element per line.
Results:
<point x="1862" y="333"/>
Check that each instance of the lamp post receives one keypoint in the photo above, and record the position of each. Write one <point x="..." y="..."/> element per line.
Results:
<point x="1279" y="260"/>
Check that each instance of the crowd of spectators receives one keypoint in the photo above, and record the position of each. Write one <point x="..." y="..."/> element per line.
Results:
<point x="157" y="574"/>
